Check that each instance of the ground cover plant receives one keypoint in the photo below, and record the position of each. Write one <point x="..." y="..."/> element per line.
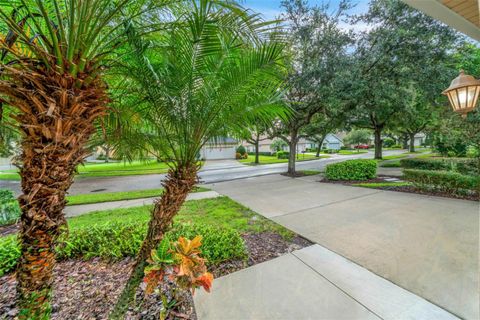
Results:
<point x="352" y="170"/>
<point x="465" y="166"/>
<point x="445" y="181"/>
<point x="9" y="208"/>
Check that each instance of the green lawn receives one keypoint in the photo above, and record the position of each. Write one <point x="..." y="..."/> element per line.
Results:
<point x="116" y="196"/>
<point x="107" y="169"/>
<point x="376" y="185"/>
<point x="310" y="172"/>
<point x="221" y="212"/>
<point x="396" y="156"/>
<point x="351" y="152"/>
<point x="273" y="159"/>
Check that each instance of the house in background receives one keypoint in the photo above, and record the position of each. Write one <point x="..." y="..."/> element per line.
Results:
<point x="221" y="148"/>
<point x="332" y="141"/>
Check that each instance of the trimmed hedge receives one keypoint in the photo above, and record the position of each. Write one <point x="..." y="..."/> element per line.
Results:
<point x="352" y="170"/>
<point x="9" y="208"/>
<point x="463" y="166"/>
<point x="447" y="181"/>
<point x="117" y="239"/>
<point x="283" y="155"/>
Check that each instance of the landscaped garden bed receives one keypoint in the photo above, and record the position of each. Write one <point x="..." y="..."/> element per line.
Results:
<point x="97" y="257"/>
<point x="452" y="178"/>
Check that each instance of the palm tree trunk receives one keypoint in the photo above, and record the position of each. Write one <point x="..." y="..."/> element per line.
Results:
<point x="42" y="220"/>
<point x="177" y="185"/>
<point x="56" y="118"/>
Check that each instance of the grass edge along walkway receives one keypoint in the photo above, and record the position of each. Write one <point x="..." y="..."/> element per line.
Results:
<point x="89" y="198"/>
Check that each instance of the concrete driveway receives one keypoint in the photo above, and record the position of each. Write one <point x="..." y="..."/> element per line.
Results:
<point x="427" y="245"/>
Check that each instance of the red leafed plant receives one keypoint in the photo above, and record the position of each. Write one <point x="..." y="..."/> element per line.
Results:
<point x="179" y="263"/>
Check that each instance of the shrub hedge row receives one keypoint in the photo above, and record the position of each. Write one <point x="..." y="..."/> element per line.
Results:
<point x="115" y="240"/>
<point x="352" y="170"/>
<point x="463" y="166"/>
<point x="447" y="181"/>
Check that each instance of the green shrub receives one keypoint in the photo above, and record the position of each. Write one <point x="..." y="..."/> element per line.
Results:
<point x="450" y="182"/>
<point x="396" y="146"/>
<point x="115" y="240"/>
<point x="241" y="150"/>
<point x="468" y="166"/>
<point x="460" y="165"/>
<point x="9" y="208"/>
<point x="352" y="170"/>
<point x="425" y="164"/>
<point x="388" y="142"/>
<point x="283" y="155"/>
<point x="260" y="153"/>
<point x="9" y="254"/>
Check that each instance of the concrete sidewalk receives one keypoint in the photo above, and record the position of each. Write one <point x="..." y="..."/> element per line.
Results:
<point x="312" y="283"/>
<point x="73" y="211"/>
<point x="427" y="245"/>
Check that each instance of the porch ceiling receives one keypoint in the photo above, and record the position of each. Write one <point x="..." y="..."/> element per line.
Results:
<point x="462" y="15"/>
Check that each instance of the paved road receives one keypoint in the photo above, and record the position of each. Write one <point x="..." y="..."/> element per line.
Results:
<point x="427" y="245"/>
<point x="215" y="171"/>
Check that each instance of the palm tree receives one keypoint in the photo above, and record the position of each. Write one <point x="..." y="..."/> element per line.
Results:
<point x="194" y="85"/>
<point x="51" y="77"/>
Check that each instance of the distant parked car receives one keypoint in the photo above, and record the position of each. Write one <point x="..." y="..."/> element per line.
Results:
<point x="362" y="146"/>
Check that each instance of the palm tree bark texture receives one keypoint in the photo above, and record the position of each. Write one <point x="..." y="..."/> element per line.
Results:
<point x="178" y="184"/>
<point x="56" y="116"/>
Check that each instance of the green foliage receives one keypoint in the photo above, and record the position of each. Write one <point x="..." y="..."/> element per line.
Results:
<point x="450" y="182"/>
<point x="278" y="145"/>
<point x="241" y="150"/>
<point x="357" y="137"/>
<point x="460" y="165"/>
<point x="9" y="208"/>
<point x="283" y="155"/>
<point x="114" y="240"/>
<point x="352" y="170"/>
<point x="388" y="142"/>
<point x="9" y="254"/>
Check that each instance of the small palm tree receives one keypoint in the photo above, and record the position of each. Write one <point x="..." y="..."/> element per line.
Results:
<point x="194" y="84"/>
<point x="53" y="54"/>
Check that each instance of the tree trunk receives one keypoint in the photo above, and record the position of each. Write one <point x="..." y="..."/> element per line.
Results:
<point x="319" y="148"/>
<point x="257" y="158"/>
<point x="55" y="123"/>
<point x="405" y="141"/>
<point x="293" y="153"/>
<point x="378" y="143"/>
<point x="177" y="186"/>
<point x="412" y="142"/>
<point x="107" y="154"/>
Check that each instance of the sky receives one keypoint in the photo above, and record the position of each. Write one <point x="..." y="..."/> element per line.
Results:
<point x="271" y="8"/>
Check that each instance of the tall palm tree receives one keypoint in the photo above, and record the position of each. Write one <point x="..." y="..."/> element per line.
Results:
<point x="51" y="76"/>
<point x="194" y="84"/>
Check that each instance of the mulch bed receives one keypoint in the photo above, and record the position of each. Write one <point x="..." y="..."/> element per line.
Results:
<point x="408" y="189"/>
<point x="89" y="289"/>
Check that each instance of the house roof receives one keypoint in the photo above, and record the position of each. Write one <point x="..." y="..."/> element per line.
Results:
<point x="462" y="15"/>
